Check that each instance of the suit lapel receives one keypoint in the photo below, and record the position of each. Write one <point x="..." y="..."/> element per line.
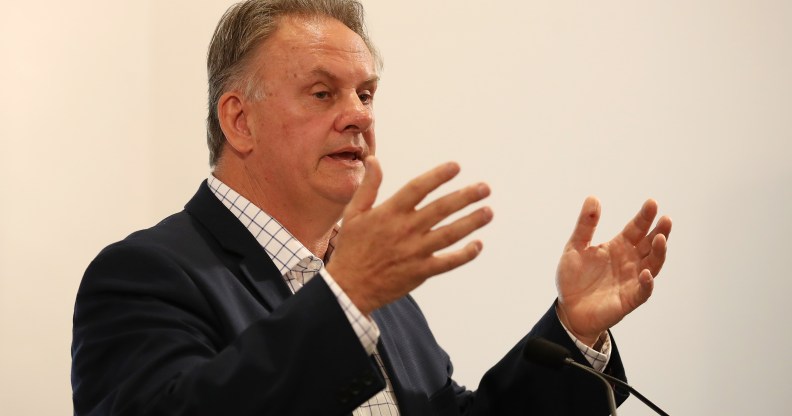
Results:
<point x="255" y="265"/>
<point x="411" y="400"/>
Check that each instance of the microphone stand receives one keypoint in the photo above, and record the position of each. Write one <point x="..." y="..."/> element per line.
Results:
<point x="549" y="354"/>
<point x="640" y="396"/>
<point x="595" y="373"/>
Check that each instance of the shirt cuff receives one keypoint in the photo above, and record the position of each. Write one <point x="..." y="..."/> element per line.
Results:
<point x="366" y="329"/>
<point x="597" y="359"/>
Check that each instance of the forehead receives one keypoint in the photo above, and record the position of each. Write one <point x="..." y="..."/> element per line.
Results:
<point x="315" y="40"/>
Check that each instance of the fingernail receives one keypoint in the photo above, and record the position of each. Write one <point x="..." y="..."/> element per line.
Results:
<point x="478" y="246"/>
<point x="487" y="212"/>
<point x="483" y="190"/>
<point x="452" y="168"/>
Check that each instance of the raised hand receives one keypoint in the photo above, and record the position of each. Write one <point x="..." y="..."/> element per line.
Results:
<point x="384" y="252"/>
<point x="599" y="285"/>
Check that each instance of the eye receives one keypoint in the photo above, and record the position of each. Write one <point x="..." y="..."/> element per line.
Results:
<point x="366" y="97"/>
<point x="322" y="95"/>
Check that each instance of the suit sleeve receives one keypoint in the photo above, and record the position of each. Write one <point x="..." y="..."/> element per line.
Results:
<point x="511" y="387"/>
<point x="514" y="386"/>
<point x="147" y="342"/>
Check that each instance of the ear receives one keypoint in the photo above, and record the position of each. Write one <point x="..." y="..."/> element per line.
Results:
<point x="233" y="121"/>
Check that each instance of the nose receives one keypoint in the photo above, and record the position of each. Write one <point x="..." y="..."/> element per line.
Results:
<point x="355" y="116"/>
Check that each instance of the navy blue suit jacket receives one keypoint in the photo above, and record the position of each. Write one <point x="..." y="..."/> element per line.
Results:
<point x="191" y="317"/>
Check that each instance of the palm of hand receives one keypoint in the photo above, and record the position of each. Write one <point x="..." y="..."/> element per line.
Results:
<point x="599" y="285"/>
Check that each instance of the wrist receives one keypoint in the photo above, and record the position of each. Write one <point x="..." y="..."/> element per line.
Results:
<point x="591" y="340"/>
<point x="358" y="298"/>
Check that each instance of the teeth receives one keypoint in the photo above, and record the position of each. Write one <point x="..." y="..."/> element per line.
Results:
<point x="351" y="156"/>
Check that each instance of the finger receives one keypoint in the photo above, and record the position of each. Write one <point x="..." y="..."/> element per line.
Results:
<point x="656" y="258"/>
<point x="441" y="208"/>
<point x="663" y="227"/>
<point x="449" y="234"/>
<point x="442" y="263"/>
<point x="636" y="229"/>
<point x="366" y="194"/>
<point x="416" y="190"/>
<point x="645" y="288"/>
<point x="586" y="224"/>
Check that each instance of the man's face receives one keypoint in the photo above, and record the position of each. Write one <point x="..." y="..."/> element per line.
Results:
<point x="312" y="121"/>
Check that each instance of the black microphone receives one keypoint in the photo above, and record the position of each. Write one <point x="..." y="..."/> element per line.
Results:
<point x="549" y="354"/>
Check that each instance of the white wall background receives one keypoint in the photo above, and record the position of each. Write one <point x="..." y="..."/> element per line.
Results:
<point x="101" y="121"/>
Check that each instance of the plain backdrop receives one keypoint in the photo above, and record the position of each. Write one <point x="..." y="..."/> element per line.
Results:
<point x="688" y="102"/>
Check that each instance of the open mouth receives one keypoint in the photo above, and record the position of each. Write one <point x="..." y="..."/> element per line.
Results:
<point x="347" y="156"/>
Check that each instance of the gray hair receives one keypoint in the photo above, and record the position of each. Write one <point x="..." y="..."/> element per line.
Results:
<point x="246" y="25"/>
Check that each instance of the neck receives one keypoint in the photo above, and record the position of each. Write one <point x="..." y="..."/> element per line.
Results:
<point x="309" y="220"/>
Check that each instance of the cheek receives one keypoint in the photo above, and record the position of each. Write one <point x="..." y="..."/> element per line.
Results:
<point x="301" y="147"/>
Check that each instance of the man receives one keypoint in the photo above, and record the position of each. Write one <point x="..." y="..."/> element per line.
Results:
<point x="252" y="301"/>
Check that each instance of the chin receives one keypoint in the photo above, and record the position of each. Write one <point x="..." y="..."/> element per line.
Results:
<point x="342" y="192"/>
<point x="338" y="187"/>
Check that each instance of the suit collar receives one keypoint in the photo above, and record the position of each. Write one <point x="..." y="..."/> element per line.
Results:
<point x="256" y="266"/>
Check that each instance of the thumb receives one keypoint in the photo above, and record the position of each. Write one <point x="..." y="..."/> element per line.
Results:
<point x="586" y="224"/>
<point x="366" y="193"/>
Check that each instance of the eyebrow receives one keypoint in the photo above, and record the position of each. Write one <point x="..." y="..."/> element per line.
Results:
<point x="324" y="72"/>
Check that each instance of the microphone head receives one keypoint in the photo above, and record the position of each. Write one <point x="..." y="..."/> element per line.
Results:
<point x="543" y="352"/>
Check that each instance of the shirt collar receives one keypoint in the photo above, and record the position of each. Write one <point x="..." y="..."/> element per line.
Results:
<point x="281" y="246"/>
